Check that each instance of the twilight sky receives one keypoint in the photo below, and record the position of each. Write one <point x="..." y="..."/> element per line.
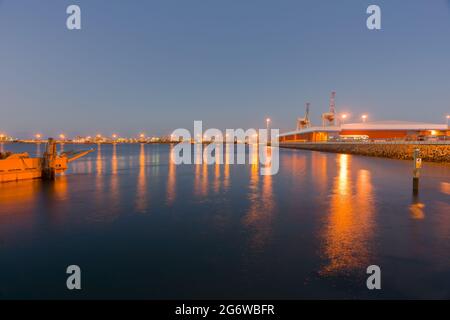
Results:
<point x="158" y="65"/>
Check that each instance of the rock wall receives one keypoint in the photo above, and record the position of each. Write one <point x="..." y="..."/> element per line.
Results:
<point x="428" y="152"/>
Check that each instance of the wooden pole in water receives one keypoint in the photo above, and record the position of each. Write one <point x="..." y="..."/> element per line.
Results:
<point x="48" y="170"/>
<point x="416" y="171"/>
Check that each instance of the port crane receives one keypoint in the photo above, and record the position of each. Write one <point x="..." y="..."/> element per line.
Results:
<point x="304" y="122"/>
<point x="328" y="118"/>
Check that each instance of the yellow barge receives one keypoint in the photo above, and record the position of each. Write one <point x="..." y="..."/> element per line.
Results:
<point x="20" y="166"/>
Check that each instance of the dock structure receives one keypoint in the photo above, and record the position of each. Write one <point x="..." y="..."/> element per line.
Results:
<point x="369" y="131"/>
<point x="20" y="166"/>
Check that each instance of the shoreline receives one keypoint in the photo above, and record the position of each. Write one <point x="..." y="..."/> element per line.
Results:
<point x="437" y="152"/>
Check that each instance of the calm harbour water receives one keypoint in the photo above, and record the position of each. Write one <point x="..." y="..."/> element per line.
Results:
<point x="140" y="226"/>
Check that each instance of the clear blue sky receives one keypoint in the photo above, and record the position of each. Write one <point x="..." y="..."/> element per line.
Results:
<point x="158" y="65"/>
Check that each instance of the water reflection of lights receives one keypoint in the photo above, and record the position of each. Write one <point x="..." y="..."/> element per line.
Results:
<point x="417" y="212"/>
<point x="99" y="194"/>
<point x="115" y="194"/>
<point x="171" y="177"/>
<point x="445" y="188"/>
<point x="204" y="187"/>
<point x="60" y="188"/>
<point x="226" y="169"/>
<point x="23" y="192"/>
<point x="197" y="173"/>
<point x="350" y="223"/>
<point x="259" y="216"/>
<point x="114" y="160"/>
<point x="99" y="161"/>
<point x="219" y="161"/>
<point x="201" y="172"/>
<point x="141" y="197"/>
<point x="417" y="209"/>
<point x="319" y="170"/>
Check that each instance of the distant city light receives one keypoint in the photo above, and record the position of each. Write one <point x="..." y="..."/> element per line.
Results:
<point x="267" y="123"/>
<point x="343" y="117"/>
<point x="38" y="136"/>
<point x="62" y="136"/>
<point x="364" y="117"/>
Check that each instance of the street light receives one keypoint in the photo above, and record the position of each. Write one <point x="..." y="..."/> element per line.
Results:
<point x="448" y="117"/>
<point x="267" y="129"/>
<point x="255" y="137"/>
<point x="343" y="117"/>
<point x="364" y="117"/>
<point x="37" y="136"/>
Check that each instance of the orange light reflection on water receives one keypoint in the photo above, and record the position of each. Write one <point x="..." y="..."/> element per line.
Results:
<point x="260" y="214"/>
<point x="350" y="223"/>
<point x="141" y="196"/>
<point x="171" y="177"/>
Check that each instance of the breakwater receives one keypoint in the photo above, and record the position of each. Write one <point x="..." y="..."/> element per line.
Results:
<point x="429" y="151"/>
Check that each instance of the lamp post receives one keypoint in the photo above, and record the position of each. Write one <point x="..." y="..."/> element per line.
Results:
<point x="364" y="117"/>
<point x="267" y="129"/>
<point x="447" y="117"/>
<point x="343" y="117"/>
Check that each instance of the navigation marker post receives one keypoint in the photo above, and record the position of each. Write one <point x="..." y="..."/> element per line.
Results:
<point x="416" y="171"/>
